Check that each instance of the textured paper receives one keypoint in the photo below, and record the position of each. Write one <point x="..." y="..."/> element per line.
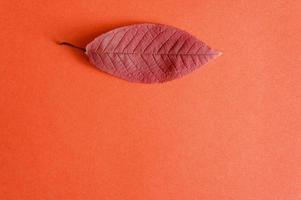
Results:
<point x="228" y="131"/>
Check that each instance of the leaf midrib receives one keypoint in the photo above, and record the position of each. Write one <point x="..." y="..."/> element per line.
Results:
<point x="174" y="54"/>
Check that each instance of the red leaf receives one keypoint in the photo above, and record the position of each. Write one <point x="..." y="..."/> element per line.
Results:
<point x="148" y="53"/>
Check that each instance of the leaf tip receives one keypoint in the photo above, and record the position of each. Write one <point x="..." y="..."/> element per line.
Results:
<point x="216" y="53"/>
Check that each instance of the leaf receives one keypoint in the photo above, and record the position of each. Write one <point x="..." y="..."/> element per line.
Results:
<point x="148" y="53"/>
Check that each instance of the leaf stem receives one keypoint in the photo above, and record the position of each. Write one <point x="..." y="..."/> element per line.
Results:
<point x="72" y="45"/>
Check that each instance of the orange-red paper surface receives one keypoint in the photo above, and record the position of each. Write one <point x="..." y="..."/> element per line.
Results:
<point x="230" y="130"/>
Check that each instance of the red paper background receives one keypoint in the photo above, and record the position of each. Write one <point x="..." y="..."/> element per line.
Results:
<point x="231" y="130"/>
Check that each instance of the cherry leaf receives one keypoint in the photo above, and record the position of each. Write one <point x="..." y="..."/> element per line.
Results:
<point x="148" y="53"/>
